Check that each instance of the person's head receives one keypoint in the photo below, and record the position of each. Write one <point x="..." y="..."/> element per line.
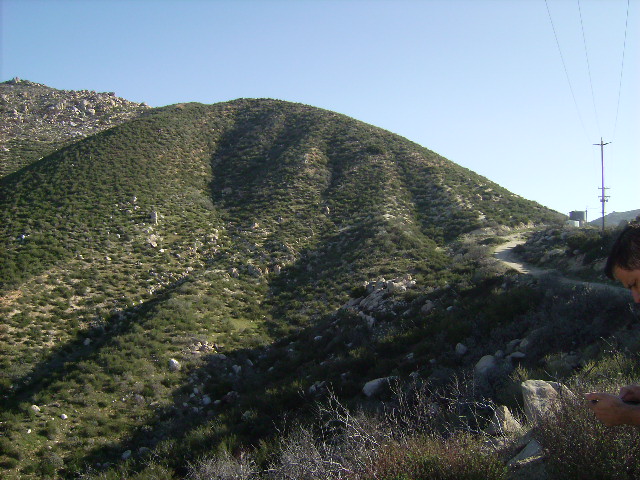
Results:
<point x="623" y="263"/>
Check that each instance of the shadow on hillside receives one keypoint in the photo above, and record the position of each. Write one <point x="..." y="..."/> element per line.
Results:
<point x="240" y="397"/>
<point x="86" y="345"/>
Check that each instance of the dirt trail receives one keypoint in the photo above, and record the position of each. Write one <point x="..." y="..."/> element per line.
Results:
<point x="505" y="254"/>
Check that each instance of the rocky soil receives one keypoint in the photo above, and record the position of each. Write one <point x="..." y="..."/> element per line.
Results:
<point x="35" y="120"/>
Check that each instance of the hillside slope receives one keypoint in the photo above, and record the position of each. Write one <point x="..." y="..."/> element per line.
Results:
<point x="201" y="229"/>
<point x="36" y="120"/>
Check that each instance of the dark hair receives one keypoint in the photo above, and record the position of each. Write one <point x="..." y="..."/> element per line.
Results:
<point x="625" y="252"/>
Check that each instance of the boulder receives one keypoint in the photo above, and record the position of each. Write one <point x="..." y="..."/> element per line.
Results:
<point x="373" y="387"/>
<point x="541" y="398"/>
<point x="427" y="307"/>
<point x="461" y="349"/>
<point x="503" y="422"/>
<point x="174" y="365"/>
<point x="485" y="365"/>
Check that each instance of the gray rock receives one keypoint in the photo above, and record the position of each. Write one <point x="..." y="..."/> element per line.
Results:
<point x="512" y="345"/>
<point x="461" y="349"/>
<point x="485" y="365"/>
<point x="372" y="387"/>
<point x="427" y="307"/>
<point x="515" y="356"/>
<point x="503" y="422"/>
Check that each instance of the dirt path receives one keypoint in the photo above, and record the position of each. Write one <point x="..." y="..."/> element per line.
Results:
<point x="505" y="254"/>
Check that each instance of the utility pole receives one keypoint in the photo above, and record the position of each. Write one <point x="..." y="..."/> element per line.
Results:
<point x="603" y="198"/>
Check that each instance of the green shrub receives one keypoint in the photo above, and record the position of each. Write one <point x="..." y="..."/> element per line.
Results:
<point x="49" y="464"/>
<point x="578" y="447"/>
<point x="461" y="457"/>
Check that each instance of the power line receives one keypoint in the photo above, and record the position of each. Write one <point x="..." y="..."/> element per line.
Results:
<point x="624" y="48"/>
<point x="566" y="72"/>
<point x="586" y="54"/>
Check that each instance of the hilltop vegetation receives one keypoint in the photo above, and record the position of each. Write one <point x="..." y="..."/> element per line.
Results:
<point x="36" y="120"/>
<point x="184" y="282"/>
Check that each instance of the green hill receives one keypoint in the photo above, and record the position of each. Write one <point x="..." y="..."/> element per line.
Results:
<point x="226" y="237"/>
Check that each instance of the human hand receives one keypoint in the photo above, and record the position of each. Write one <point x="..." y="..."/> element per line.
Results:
<point x="630" y="393"/>
<point x="609" y="409"/>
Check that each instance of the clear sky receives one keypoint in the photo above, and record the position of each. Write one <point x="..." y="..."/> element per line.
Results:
<point x="481" y="82"/>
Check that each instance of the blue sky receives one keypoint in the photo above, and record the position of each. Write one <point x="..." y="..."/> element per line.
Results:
<point x="481" y="82"/>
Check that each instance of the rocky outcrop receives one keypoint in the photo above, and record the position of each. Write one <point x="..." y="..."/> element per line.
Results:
<point x="541" y="398"/>
<point x="37" y="120"/>
<point x="378" y="296"/>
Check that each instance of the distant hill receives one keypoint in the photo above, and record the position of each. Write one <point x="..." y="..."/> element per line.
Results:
<point x="36" y="120"/>
<point x="614" y="219"/>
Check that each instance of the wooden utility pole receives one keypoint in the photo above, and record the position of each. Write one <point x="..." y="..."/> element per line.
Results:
<point x="603" y="198"/>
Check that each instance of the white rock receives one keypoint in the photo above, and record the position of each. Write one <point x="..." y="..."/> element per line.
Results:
<point x="126" y="455"/>
<point x="174" y="365"/>
<point x="541" y="398"/>
<point x="532" y="450"/>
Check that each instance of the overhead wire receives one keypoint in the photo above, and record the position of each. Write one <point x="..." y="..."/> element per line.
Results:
<point x="624" y="48"/>
<point x="590" y="77"/>
<point x="566" y="72"/>
<point x="586" y="54"/>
